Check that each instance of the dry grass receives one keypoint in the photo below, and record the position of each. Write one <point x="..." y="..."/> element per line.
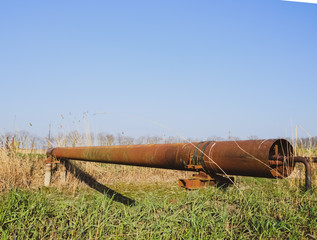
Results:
<point x="110" y="174"/>
<point x="27" y="171"/>
<point x="299" y="172"/>
<point x="32" y="151"/>
<point x="18" y="171"/>
<point x="21" y="170"/>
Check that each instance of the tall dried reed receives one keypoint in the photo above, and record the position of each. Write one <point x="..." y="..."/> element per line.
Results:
<point x="20" y="171"/>
<point x="27" y="170"/>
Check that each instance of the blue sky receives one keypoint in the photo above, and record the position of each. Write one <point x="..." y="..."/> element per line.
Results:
<point x="201" y="68"/>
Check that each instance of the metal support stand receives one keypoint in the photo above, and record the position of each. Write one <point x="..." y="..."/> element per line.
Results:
<point x="48" y="174"/>
<point x="202" y="179"/>
<point x="48" y="170"/>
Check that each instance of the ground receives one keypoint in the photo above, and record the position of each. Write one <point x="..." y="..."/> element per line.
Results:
<point x="134" y="208"/>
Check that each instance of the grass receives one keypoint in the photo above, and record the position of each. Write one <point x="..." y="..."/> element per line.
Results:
<point x="256" y="208"/>
<point x="266" y="211"/>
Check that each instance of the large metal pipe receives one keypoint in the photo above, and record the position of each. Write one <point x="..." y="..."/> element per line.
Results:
<point x="258" y="158"/>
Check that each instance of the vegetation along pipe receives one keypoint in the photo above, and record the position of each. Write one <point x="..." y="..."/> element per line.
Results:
<point x="272" y="158"/>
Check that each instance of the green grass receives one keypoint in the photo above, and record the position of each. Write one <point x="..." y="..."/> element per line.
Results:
<point x="30" y="155"/>
<point x="260" y="209"/>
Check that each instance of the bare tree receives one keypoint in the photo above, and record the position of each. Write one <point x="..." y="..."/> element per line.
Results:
<point x="253" y="137"/>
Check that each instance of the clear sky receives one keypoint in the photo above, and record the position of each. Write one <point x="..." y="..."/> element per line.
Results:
<point x="201" y="68"/>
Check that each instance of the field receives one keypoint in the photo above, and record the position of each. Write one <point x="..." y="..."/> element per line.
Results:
<point x="143" y="203"/>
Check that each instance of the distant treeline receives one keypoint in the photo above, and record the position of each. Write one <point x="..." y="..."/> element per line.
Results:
<point x="27" y="140"/>
<point x="306" y="142"/>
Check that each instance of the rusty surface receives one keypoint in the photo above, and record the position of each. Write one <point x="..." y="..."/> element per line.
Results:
<point x="203" y="180"/>
<point x="257" y="158"/>
<point x="306" y="163"/>
<point x="247" y="158"/>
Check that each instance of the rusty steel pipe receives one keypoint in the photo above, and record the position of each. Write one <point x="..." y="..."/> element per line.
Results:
<point x="245" y="158"/>
<point x="306" y="163"/>
<point x="281" y="160"/>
